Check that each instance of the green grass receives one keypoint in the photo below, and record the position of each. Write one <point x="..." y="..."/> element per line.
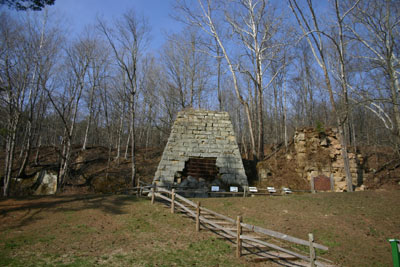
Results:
<point x="82" y="229"/>
<point x="19" y="241"/>
<point x="140" y="234"/>
<point x="75" y="262"/>
<point x="354" y="226"/>
<point x="209" y="252"/>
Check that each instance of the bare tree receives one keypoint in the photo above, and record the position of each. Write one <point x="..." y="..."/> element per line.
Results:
<point x="376" y="26"/>
<point x="314" y="36"/>
<point x="97" y="71"/>
<point x="66" y="103"/>
<point x="127" y="39"/>
<point x="14" y="82"/>
<point x="186" y="67"/>
<point x="27" y="52"/>
<point x="36" y="41"/>
<point x="256" y="25"/>
<point x="219" y="58"/>
<point x="204" y="17"/>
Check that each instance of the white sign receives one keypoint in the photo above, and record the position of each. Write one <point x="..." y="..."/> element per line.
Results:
<point x="214" y="188"/>
<point x="234" y="189"/>
<point x="253" y="189"/>
<point x="287" y="190"/>
<point x="271" y="189"/>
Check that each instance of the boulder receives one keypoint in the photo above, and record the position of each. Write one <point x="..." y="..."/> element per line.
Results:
<point x="184" y="184"/>
<point x="300" y="136"/>
<point x="216" y="182"/>
<point x="361" y="188"/>
<point x="43" y="182"/>
<point x="46" y="183"/>
<point x="193" y="183"/>
<point x="202" y="183"/>
<point x="191" y="179"/>
<point x="324" y="142"/>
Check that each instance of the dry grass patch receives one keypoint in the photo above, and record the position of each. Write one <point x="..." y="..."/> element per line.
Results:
<point x="118" y="230"/>
<point x="103" y="230"/>
<point x="355" y="226"/>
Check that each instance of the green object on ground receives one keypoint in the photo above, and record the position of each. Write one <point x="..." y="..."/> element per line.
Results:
<point x="395" y="244"/>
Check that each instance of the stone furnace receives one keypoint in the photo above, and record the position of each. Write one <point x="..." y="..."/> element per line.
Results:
<point x="202" y="145"/>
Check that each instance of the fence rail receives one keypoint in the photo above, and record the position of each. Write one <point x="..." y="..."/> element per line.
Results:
<point x="236" y="228"/>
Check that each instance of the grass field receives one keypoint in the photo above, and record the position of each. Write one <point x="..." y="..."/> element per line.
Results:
<point x="119" y="230"/>
<point x="355" y="226"/>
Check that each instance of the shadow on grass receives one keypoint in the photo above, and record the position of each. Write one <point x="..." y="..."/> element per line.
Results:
<point x="32" y="207"/>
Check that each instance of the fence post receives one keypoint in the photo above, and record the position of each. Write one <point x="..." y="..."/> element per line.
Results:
<point x="395" y="244"/>
<point x="238" y="240"/>
<point x="173" y="201"/>
<point x="312" y="185"/>
<point x="138" y="188"/>
<point x="152" y="195"/>
<point x="332" y="183"/>
<point x="198" y="217"/>
<point x="312" y="249"/>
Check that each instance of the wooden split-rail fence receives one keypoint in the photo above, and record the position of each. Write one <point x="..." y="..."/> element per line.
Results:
<point x="257" y="243"/>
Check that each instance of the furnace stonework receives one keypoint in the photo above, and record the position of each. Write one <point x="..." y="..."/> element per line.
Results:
<point x="198" y="134"/>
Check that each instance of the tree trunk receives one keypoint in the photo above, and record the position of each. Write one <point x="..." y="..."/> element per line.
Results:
<point x="221" y="107"/>
<point x="10" y="149"/>
<point x="27" y="151"/>
<point x="260" y="150"/>
<point x="285" y="113"/>
<point x="88" y="124"/>
<point x="132" y="104"/>
<point x="128" y="140"/>
<point x="121" y="125"/>
<point x="342" y="137"/>
<point x="38" y="151"/>
<point x="395" y="92"/>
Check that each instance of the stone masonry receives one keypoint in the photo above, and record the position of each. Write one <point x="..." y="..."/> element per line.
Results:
<point x="319" y="153"/>
<point x="202" y="134"/>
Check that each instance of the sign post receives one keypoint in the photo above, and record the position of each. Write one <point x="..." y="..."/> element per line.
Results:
<point x="395" y="244"/>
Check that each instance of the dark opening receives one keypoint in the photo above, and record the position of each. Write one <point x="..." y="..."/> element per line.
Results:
<point x="205" y="168"/>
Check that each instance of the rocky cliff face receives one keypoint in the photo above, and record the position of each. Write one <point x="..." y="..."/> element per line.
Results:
<point x="312" y="154"/>
<point x="319" y="153"/>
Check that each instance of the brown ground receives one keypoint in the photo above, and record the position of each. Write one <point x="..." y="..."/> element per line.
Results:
<point x="383" y="167"/>
<point x="91" y="171"/>
<point x="87" y="230"/>
<point x="113" y="230"/>
<point x="118" y="230"/>
<point x="355" y="226"/>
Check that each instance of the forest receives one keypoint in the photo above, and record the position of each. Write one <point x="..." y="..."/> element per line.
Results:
<point x="274" y="66"/>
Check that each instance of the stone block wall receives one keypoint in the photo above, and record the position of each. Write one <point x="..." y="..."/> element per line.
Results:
<point x="319" y="153"/>
<point x="207" y="134"/>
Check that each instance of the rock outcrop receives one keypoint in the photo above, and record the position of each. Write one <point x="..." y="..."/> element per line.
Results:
<point x="312" y="158"/>
<point x="43" y="182"/>
<point x="319" y="153"/>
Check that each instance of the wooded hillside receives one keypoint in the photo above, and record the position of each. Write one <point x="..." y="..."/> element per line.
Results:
<point x="274" y="66"/>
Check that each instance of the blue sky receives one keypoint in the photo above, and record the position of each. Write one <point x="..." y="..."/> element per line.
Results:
<point x="78" y="13"/>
